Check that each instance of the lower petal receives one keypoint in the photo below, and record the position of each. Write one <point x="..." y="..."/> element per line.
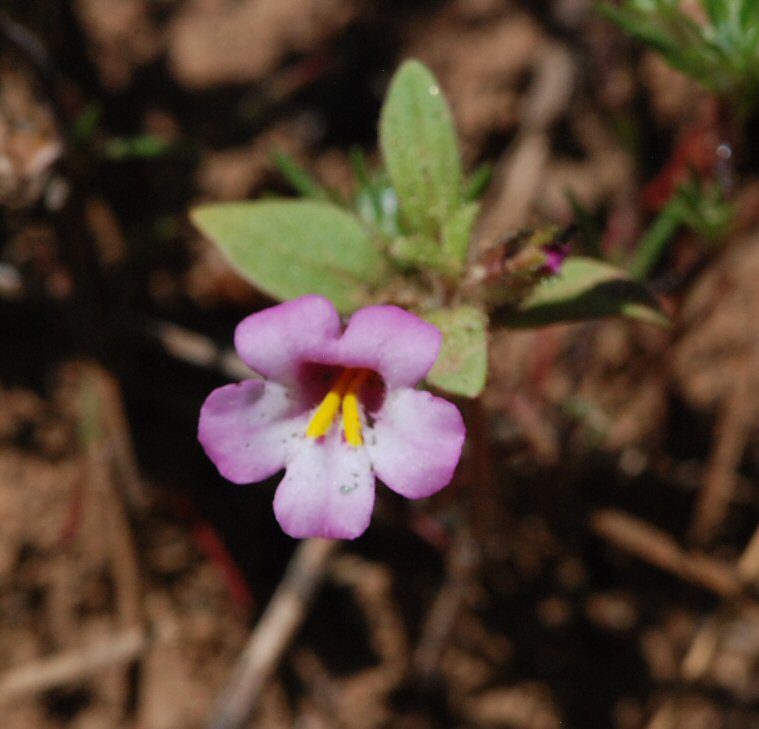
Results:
<point x="416" y="442"/>
<point x="328" y="490"/>
<point x="247" y="429"/>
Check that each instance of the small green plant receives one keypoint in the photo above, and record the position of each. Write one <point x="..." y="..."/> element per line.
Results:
<point x="695" y="206"/>
<point x="717" y="43"/>
<point x="87" y="134"/>
<point x="714" y="41"/>
<point x="405" y="238"/>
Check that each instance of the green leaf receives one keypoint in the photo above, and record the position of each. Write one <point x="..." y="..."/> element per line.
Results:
<point x="719" y="51"/>
<point x="588" y="226"/>
<point x="585" y="289"/>
<point x="376" y="201"/>
<point x="426" y="253"/>
<point x="86" y="125"/>
<point x="653" y="244"/>
<point x="417" y="251"/>
<point x="701" y="208"/>
<point x="478" y="182"/>
<point x="457" y="231"/>
<point x="462" y="366"/>
<point x="420" y="151"/>
<point x="140" y="146"/>
<point x="298" y="177"/>
<point x="288" y="248"/>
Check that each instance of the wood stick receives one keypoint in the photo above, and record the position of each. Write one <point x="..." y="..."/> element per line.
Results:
<point x="97" y="395"/>
<point x="72" y="665"/>
<point x="197" y="349"/>
<point x="463" y="561"/>
<point x="660" y="549"/>
<point x="518" y="179"/>
<point x="115" y="427"/>
<point x="705" y="645"/>
<point x="107" y="443"/>
<point x="748" y="564"/>
<point x="731" y="436"/>
<point x="274" y="632"/>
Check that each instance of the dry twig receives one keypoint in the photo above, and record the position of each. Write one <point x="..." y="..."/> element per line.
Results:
<point x="442" y="617"/>
<point x="72" y="665"/>
<point x="519" y="180"/>
<point x="732" y="433"/>
<point x="106" y="442"/>
<point x="276" y="628"/>
<point x="197" y="349"/>
<point x="105" y="437"/>
<point x="705" y="645"/>
<point x="660" y="549"/>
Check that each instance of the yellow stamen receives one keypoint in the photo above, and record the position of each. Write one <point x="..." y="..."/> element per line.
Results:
<point x="351" y="417"/>
<point x="325" y="413"/>
<point x="344" y="392"/>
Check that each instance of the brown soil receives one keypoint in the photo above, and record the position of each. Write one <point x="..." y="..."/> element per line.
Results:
<point x="590" y="567"/>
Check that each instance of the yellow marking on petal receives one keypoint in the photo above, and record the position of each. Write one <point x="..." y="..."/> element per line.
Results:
<point x="351" y="416"/>
<point x="325" y="413"/>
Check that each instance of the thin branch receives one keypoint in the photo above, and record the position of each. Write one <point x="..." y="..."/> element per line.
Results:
<point x="72" y="665"/>
<point x="463" y="561"/>
<point x="658" y="548"/>
<point x="519" y="177"/>
<point x="274" y="632"/>
<point x="98" y="392"/>
<point x="732" y="434"/>
<point x="748" y="564"/>
<point x="197" y="349"/>
<point x="705" y="645"/>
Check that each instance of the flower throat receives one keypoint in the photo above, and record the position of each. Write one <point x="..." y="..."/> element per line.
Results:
<point x="343" y="393"/>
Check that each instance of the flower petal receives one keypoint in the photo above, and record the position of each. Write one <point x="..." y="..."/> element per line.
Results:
<point x="416" y="442"/>
<point x="398" y="345"/>
<point x="247" y="429"/>
<point x="328" y="490"/>
<point x="276" y="341"/>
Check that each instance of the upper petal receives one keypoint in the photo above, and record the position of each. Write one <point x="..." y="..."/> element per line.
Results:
<point x="416" y="442"/>
<point x="274" y="342"/>
<point x="398" y="345"/>
<point x="328" y="490"/>
<point x="247" y="429"/>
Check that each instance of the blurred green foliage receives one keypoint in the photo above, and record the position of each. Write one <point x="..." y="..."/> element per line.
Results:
<point x="699" y="207"/>
<point x="714" y="41"/>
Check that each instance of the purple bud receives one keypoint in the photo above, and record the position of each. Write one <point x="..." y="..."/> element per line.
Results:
<point x="555" y="254"/>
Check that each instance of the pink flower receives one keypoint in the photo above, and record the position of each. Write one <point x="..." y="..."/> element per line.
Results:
<point x="335" y="410"/>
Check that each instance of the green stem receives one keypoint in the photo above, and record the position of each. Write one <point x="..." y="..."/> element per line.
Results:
<point x="655" y="240"/>
<point x="305" y="185"/>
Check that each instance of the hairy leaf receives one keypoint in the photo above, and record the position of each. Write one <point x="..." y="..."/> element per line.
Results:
<point x="418" y="142"/>
<point x="288" y="248"/>
<point x="585" y="289"/>
<point x="462" y="365"/>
